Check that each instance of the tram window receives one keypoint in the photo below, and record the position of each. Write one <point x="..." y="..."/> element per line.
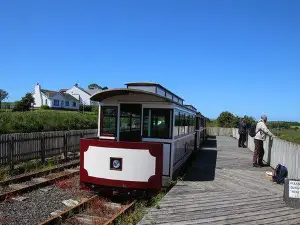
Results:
<point x="193" y="123"/>
<point x="157" y="123"/>
<point x="177" y="123"/>
<point x="182" y="123"/>
<point x="130" y="122"/>
<point x="187" y="124"/>
<point x="108" y="121"/>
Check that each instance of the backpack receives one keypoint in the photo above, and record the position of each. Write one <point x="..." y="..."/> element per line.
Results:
<point x="281" y="173"/>
<point x="252" y="131"/>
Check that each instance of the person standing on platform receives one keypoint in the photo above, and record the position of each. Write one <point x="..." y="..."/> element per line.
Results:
<point x="242" y="133"/>
<point x="260" y="137"/>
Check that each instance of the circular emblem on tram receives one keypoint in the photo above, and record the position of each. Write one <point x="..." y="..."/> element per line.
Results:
<point x="116" y="164"/>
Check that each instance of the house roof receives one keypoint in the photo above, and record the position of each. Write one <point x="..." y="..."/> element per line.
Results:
<point x="49" y="93"/>
<point x="63" y="89"/>
<point x="83" y="90"/>
<point x="69" y="97"/>
<point x="92" y="91"/>
<point x="89" y="91"/>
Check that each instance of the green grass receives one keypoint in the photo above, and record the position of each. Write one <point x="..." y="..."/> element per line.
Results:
<point x="140" y="210"/>
<point x="46" y="120"/>
<point x="31" y="166"/>
<point x="291" y="134"/>
<point x="293" y="127"/>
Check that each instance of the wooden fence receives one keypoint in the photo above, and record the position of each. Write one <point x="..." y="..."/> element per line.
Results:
<point x="20" y="147"/>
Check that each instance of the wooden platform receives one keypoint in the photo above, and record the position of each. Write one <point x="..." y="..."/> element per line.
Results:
<point x="222" y="187"/>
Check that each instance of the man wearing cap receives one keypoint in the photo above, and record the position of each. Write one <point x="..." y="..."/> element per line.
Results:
<point x="260" y="137"/>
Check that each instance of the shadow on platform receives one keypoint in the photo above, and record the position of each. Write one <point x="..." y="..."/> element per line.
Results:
<point x="203" y="163"/>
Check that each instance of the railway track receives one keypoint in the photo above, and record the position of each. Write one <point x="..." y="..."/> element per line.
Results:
<point x="56" y="198"/>
<point x="91" y="211"/>
<point x="28" y="176"/>
<point x="53" y="196"/>
<point x="33" y="181"/>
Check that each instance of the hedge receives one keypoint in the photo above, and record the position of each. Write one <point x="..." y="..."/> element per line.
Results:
<point x="48" y="120"/>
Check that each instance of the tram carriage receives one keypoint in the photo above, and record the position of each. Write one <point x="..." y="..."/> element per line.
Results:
<point x="145" y="136"/>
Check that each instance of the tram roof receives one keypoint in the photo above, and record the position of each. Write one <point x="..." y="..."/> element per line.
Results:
<point x="102" y="95"/>
<point x="139" y="84"/>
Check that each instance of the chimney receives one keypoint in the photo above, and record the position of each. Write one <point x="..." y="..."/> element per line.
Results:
<point x="38" y="95"/>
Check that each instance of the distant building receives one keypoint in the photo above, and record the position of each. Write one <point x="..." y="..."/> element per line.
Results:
<point x="68" y="98"/>
<point x="83" y="95"/>
<point x="54" y="99"/>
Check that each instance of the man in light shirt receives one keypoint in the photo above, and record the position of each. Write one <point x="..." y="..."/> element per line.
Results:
<point x="260" y="137"/>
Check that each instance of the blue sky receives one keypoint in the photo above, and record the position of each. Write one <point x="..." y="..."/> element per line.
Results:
<point x="240" y="56"/>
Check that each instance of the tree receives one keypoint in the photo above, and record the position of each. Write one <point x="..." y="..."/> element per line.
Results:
<point x="249" y="120"/>
<point x="3" y="95"/>
<point x="227" y="119"/>
<point x="26" y="102"/>
<point x="94" y="86"/>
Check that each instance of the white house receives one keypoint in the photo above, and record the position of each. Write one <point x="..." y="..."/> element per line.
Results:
<point x="54" y="99"/>
<point x="83" y="95"/>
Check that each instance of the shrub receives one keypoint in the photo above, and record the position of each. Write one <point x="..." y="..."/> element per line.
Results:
<point x="24" y="104"/>
<point x="37" y="121"/>
<point x="45" y="107"/>
<point x="95" y="108"/>
<point x="86" y="108"/>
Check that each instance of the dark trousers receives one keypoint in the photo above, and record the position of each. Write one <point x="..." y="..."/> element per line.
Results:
<point x="258" y="152"/>
<point x="242" y="140"/>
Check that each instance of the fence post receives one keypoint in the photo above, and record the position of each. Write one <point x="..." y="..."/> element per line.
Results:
<point x="43" y="148"/>
<point x="11" y="154"/>
<point x="81" y="136"/>
<point x="66" y="145"/>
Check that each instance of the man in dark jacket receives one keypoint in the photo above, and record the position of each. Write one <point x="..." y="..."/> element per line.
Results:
<point x="242" y="133"/>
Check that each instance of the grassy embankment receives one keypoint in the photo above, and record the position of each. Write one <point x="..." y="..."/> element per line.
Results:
<point x="291" y="134"/>
<point x="46" y="120"/>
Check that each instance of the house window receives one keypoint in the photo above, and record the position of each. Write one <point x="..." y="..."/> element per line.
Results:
<point x="56" y="102"/>
<point x="157" y="123"/>
<point x="74" y="104"/>
<point x="46" y="101"/>
<point x="109" y="121"/>
<point x="67" y="103"/>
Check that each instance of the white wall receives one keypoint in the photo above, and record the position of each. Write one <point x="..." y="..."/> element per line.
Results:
<point x="37" y="95"/>
<point x="50" y="102"/>
<point x="61" y="98"/>
<point x="82" y="96"/>
<point x="44" y="98"/>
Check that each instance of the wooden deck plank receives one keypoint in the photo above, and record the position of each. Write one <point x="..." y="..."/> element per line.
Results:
<point x="222" y="187"/>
